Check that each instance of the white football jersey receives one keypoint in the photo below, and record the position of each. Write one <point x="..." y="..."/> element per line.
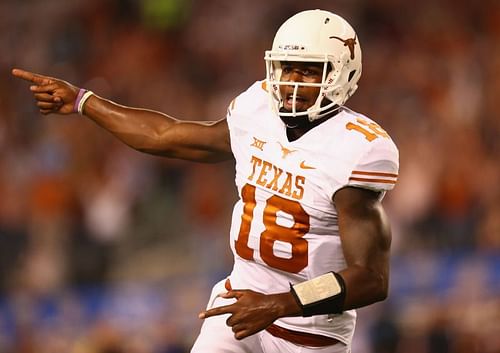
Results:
<point x="284" y="228"/>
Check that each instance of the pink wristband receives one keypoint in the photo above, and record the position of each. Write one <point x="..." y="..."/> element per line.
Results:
<point x="81" y="92"/>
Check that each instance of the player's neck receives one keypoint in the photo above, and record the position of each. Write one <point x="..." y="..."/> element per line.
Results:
<point x="294" y="132"/>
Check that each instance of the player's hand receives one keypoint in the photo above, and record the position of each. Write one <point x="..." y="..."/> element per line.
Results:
<point x="253" y="311"/>
<point x="52" y="95"/>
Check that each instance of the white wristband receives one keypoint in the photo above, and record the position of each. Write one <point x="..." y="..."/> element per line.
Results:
<point x="86" y="96"/>
<point x="317" y="289"/>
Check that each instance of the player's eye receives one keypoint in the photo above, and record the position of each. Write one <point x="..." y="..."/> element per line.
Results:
<point x="312" y="71"/>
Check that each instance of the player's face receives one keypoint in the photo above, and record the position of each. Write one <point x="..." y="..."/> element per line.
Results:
<point x="300" y="72"/>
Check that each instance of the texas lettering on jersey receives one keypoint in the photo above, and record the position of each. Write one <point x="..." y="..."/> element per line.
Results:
<point x="276" y="179"/>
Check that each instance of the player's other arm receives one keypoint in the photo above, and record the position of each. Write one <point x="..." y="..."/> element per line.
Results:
<point x="156" y="133"/>
<point x="144" y="130"/>
<point x="366" y="238"/>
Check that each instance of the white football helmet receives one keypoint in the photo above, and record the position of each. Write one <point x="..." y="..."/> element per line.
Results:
<point x="315" y="36"/>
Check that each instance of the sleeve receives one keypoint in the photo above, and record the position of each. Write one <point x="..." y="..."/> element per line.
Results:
<point x="248" y="100"/>
<point x="377" y="169"/>
<point x="230" y="108"/>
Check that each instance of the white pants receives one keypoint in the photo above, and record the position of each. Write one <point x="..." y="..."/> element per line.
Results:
<point x="217" y="337"/>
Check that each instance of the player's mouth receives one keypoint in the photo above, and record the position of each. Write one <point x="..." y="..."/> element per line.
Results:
<point x="301" y="103"/>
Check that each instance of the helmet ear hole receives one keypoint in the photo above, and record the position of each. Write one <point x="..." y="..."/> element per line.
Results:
<point x="351" y="75"/>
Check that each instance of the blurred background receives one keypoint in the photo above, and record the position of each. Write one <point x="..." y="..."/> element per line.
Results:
<point x="106" y="250"/>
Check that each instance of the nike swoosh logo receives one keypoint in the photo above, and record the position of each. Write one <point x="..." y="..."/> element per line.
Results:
<point x="303" y="165"/>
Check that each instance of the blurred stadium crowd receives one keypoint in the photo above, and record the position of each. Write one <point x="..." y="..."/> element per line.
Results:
<point x="106" y="250"/>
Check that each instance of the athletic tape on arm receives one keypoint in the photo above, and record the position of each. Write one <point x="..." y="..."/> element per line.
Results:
<point x="324" y="294"/>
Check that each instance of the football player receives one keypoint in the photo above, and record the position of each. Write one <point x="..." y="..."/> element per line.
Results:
<point x="309" y="234"/>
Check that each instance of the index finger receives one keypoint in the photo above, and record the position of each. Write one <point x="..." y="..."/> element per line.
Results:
<point x="226" y="309"/>
<point x="31" y="77"/>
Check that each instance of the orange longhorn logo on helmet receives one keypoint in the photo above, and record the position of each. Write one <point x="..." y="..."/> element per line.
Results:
<point x="349" y="42"/>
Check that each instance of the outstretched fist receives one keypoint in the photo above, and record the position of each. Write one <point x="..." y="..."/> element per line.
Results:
<point x="52" y="95"/>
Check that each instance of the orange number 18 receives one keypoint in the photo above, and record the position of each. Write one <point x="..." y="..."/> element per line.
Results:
<point x="274" y="232"/>
<point x="370" y="130"/>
